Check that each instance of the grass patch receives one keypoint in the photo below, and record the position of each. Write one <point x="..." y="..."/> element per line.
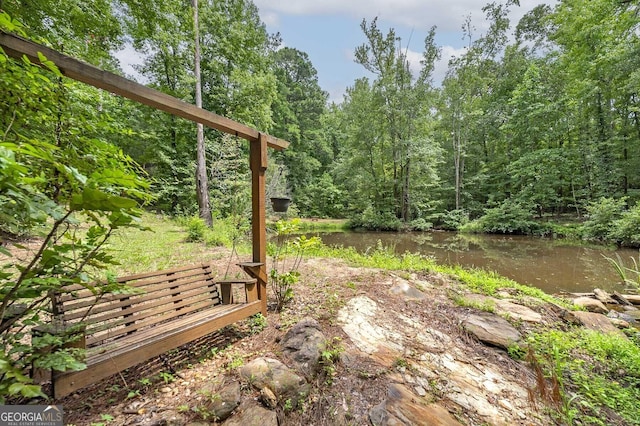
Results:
<point x="323" y="225"/>
<point x="597" y="375"/>
<point x="166" y="245"/>
<point x="477" y="280"/>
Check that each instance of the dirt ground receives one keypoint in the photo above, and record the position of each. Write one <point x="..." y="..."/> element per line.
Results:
<point x="169" y="387"/>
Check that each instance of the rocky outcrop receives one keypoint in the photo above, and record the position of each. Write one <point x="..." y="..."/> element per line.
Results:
<point x="277" y="377"/>
<point x="303" y="345"/>
<point x="505" y="307"/>
<point x="591" y="305"/>
<point x="403" y="407"/>
<point x="253" y="415"/>
<point x="491" y="329"/>
<point x="224" y="402"/>
<point x="596" y="322"/>
<point x="477" y="387"/>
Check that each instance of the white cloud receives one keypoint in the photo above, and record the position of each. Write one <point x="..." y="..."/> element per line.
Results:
<point x="441" y="66"/>
<point x="414" y="59"/>
<point x="270" y="18"/>
<point x="447" y="15"/>
<point x="128" y="58"/>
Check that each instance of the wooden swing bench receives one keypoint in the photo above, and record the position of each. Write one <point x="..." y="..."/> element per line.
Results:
<point x="167" y="309"/>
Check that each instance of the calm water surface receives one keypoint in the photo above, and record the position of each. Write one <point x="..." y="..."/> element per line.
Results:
<point x="540" y="262"/>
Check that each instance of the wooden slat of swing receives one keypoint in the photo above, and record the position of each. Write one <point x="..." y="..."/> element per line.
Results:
<point x="174" y="307"/>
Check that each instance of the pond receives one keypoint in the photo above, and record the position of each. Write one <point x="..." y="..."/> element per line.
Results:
<point x="551" y="265"/>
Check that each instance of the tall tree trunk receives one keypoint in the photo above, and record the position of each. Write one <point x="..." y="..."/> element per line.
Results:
<point x="406" y="201"/>
<point x="202" y="184"/>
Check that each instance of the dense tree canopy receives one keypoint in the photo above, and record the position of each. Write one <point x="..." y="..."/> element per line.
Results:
<point x="541" y="114"/>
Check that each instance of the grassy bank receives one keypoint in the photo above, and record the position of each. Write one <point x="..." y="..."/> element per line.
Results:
<point x="584" y="377"/>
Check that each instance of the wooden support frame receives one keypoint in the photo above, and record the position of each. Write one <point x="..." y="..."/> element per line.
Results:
<point x="258" y="164"/>
<point x="17" y="47"/>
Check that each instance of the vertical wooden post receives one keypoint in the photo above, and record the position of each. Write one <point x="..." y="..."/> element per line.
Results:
<point x="258" y="163"/>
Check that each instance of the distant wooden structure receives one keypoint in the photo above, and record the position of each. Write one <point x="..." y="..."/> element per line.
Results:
<point x="16" y="47"/>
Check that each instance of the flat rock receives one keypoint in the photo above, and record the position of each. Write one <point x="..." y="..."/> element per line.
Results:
<point x="303" y="345"/>
<point x="633" y="298"/>
<point x="273" y="374"/>
<point x="404" y="288"/>
<point x="603" y="296"/>
<point x="491" y="329"/>
<point x="403" y="407"/>
<point x="253" y="415"/>
<point x="591" y="305"/>
<point x="620" y="323"/>
<point x="504" y="307"/>
<point x="597" y="322"/>
<point x="224" y="402"/>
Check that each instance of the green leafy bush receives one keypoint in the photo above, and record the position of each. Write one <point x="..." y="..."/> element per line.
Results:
<point x="453" y="220"/>
<point x="420" y="225"/>
<point x="626" y="230"/>
<point x="196" y="229"/>
<point x="374" y="220"/>
<point x="602" y="215"/>
<point x="286" y="252"/>
<point x="510" y="217"/>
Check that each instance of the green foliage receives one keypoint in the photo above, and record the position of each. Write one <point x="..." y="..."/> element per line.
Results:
<point x="62" y="184"/>
<point x="510" y="217"/>
<point x="420" y="225"/>
<point x="322" y="198"/>
<point x="453" y="220"/>
<point x="287" y="252"/>
<point x="626" y="229"/>
<point x="257" y="323"/>
<point x="329" y="357"/>
<point x="196" y="229"/>
<point x="602" y="214"/>
<point x="597" y="373"/>
<point x="371" y="219"/>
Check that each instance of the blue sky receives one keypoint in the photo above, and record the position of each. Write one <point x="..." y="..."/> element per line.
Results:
<point x="329" y="31"/>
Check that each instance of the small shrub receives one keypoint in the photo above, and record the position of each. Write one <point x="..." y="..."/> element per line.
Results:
<point x="257" y="323"/>
<point x="626" y="229"/>
<point x="330" y="357"/>
<point x="196" y="229"/>
<point x="453" y="220"/>
<point x="287" y="252"/>
<point x="374" y="220"/>
<point x="510" y="217"/>
<point x="601" y="217"/>
<point x="420" y="225"/>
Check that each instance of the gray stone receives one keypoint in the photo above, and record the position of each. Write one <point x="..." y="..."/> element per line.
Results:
<point x="597" y="322"/>
<point x="591" y="305"/>
<point x="603" y="296"/>
<point x="491" y="329"/>
<point x="404" y="288"/>
<point x="165" y="419"/>
<point x="504" y="307"/>
<point x="271" y="373"/>
<point x="224" y="402"/>
<point x="253" y="415"/>
<point x="620" y="323"/>
<point x="402" y="407"/>
<point x="303" y="345"/>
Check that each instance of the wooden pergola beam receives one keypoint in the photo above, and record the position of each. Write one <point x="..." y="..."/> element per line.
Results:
<point x="16" y="47"/>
